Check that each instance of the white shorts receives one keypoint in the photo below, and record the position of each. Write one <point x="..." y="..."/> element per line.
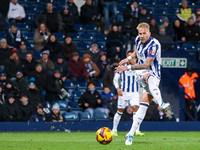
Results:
<point x="128" y="99"/>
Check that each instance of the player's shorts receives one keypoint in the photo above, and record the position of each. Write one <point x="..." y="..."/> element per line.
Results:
<point x="128" y="99"/>
<point x="139" y="78"/>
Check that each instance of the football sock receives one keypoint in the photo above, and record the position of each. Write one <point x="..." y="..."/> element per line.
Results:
<point x="116" y="120"/>
<point x="155" y="91"/>
<point x="138" y="129"/>
<point x="138" y="117"/>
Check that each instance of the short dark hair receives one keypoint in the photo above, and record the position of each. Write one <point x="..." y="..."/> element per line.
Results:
<point x="23" y="95"/>
<point x="106" y="86"/>
<point x="129" y="51"/>
<point x="29" y="53"/>
<point x="91" y="82"/>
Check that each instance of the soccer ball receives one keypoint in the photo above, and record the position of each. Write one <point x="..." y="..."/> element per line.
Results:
<point x="104" y="135"/>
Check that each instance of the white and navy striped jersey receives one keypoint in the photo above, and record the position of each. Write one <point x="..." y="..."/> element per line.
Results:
<point x="151" y="48"/>
<point x="127" y="80"/>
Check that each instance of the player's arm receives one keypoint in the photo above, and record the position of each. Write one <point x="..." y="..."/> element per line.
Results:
<point x="133" y="55"/>
<point x="116" y="84"/>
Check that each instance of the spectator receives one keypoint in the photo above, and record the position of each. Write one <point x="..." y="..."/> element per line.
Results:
<point x="113" y="107"/>
<point x="184" y="12"/>
<point x="4" y="52"/>
<point x="94" y="52"/>
<point x="143" y="15"/>
<point x="192" y="31"/>
<point x="22" y="50"/>
<point x="4" y="7"/>
<point x="197" y="17"/>
<point x="188" y="80"/>
<point x="91" y="101"/>
<point x="53" y="46"/>
<point x="2" y="96"/>
<point x="9" y="89"/>
<point x="103" y="64"/>
<point x="130" y="23"/>
<point x="154" y="28"/>
<point x="16" y="12"/>
<point x="55" y="86"/>
<point x="77" y="68"/>
<point x="26" y="108"/>
<point x="90" y="15"/>
<point x="151" y="111"/>
<point x="73" y="9"/>
<point x="178" y="31"/>
<point x="128" y="114"/>
<point x="34" y="95"/>
<point x="55" y="115"/>
<point x="107" y="96"/>
<point x="14" y="36"/>
<point x="13" y="64"/>
<point x="92" y="69"/>
<point x="162" y="37"/>
<point x="109" y="6"/>
<point x="114" y="48"/>
<point x="68" y="20"/>
<point x="51" y="18"/>
<point x="62" y="65"/>
<point x="168" y="29"/>
<point x="40" y="77"/>
<point x="12" y="112"/>
<point x="46" y="63"/>
<point x="39" y="115"/>
<point x="68" y="47"/>
<point x="20" y="83"/>
<point x="28" y="64"/>
<point x="3" y="78"/>
<point x="2" y="111"/>
<point x="41" y="37"/>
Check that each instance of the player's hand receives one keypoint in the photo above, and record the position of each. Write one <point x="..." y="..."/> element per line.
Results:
<point x="120" y="92"/>
<point x="123" y="61"/>
<point x="120" y="69"/>
<point x="86" y="104"/>
<point x="98" y="101"/>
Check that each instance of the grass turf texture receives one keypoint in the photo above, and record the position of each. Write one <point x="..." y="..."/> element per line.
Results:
<point x="87" y="141"/>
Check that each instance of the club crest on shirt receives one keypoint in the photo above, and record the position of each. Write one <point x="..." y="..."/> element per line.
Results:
<point x="153" y="51"/>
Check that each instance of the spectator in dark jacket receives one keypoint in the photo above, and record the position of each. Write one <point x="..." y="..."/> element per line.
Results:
<point x="107" y="96"/>
<point x="4" y="52"/>
<point x="12" y="111"/>
<point x="168" y="29"/>
<point x="62" y="65"/>
<point x="103" y="64"/>
<point x="90" y="15"/>
<point x="143" y="15"/>
<point x="26" y="108"/>
<point x="51" y="18"/>
<point x="3" y="78"/>
<point x="178" y="31"/>
<point x="39" y="115"/>
<point x="40" y="77"/>
<point x="9" y="89"/>
<point x="53" y="46"/>
<point x="55" y="115"/>
<point x="77" y="68"/>
<point x="154" y="28"/>
<point x="91" y="101"/>
<point x="22" y="50"/>
<point x="73" y="9"/>
<point x="68" y="47"/>
<point x="2" y="95"/>
<point x="14" y="36"/>
<point x="128" y="114"/>
<point x="28" y="64"/>
<point x="13" y="64"/>
<point x="4" y="7"/>
<point x="94" y="52"/>
<point x="130" y="23"/>
<point x="2" y="112"/>
<point x="113" y="107"/>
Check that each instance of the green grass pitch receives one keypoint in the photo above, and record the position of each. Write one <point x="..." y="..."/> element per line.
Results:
<point x="87" y="141"/>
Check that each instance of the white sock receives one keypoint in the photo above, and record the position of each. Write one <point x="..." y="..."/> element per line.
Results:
<point x="138" y="117"/>
<point x="116" y="120"/>
<point x="155" y="91"/>
<point x="138" y="129"/>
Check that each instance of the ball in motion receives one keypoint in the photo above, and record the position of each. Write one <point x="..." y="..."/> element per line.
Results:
<point x="104" y="135"/>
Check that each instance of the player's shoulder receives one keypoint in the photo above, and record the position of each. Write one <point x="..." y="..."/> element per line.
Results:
<point x="137" y="39"/>
<point x="155" y="43"/>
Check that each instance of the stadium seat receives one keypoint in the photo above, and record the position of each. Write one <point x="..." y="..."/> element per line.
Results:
<point x="76" y="36"/>
<point x="198" y="47"/>
<point x="87" y="37"/>
<point x="150" y="3"/>
<point x="192" y="4"/>
<point x="59" y="36"/>
<point x="102" y="46"/>
<point x="58" y="8"/>
<point x="62" y="103"/>
<point x="81" y="53"/>
<point x="38" y="54"/>
<point x="140" y="2"/>
<point x="2" y="35"/>
<point x="70" y="116"/>
<point x="32" y="9"/>
<point x="23" y="27"/>
<point x="29" y="35"/>
<point x="123" y="3"/>
<point x="175" y="3"/>
<point x="51" y="1"/>
<point x="21" y="2"/>
<point x="48" y="105"/>
<point x="82" y="85"/>
<point x="99" y="85"/>
<point x="73" y="106"/>
<point x="159" y="19"/>
<point x="85" y="116"/>
<point x="172" y="19"/>
<point x="79" y="28"/>
<point x="120" y="19"/>
<point x="190" y="48"/>
<point x="99" y="116"/>
<point x="69" y="84"/>
<point x="120" y="10"/>
<point x="161" y="11"/>
<point x="172" y="11"/>
<point x="76" y="94"/>
<point x="37" y="2"/>
<point x="163" y="3"/>
<point x="91" y="28"/>
<point x="83" y="46"/>
<point x="31" y="16"/>
<point x="151" y="10"/>
<point x="101" y="37"/>
<point x="61" y="2"/>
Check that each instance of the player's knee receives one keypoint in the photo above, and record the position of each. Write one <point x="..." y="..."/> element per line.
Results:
<point x="135" y="108"/>
<point x="145" y="77"/>
<point x="120" y="110"/>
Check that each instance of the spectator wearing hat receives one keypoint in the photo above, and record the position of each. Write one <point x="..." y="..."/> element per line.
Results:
<point x="114" y="48"/>
<point x="39" y="115"/>
<point x="16" y="12"/>
<point x="20" y="83"/>
<point x="94" y="52"/>
<point x="40" y="77"/>
<point x="51" y="18"/>
<point x="13" y="64"/>
<point x="53" y="46"/>
<point x="55" y="115"/>
<point x="90" y="15"/>
<point x="12" y="111"/>
<point x="197" y="17"/>
<point x="162" y="37"/>
<point x="41" y="37"/>
<point x="14" y="36"/>
<point x="46" y="63"/>
<point x="92" y="69"/>
<point x="22" y="50"/>
<point x="103" y="64"/>
<point x="3" y="78"/>
<point x="62" y="65"/>
<point x="168" y="28"/>
<point x="130" y="22"/>
<point x="68" y="47"/>
<point x="34" y="95"/>
<point x="154" y="28"/>
<point x="68" y="19"/>
<point x="73" y="10"/>
<point x="26" y="108"/>
<point x="4" y="52"/>
<point x="28" y="64"/>
<point x="54" y="87"/>
<point x="9" y="89"/>
<point x="179" y="34"/>
<point x="143" y="15"/>
<point x="77" y="68"/>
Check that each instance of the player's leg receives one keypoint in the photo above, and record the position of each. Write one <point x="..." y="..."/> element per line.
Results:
<point x="116" y="120"/>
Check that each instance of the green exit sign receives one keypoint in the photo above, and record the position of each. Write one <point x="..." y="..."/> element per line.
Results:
<point x="174" y="62"/>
